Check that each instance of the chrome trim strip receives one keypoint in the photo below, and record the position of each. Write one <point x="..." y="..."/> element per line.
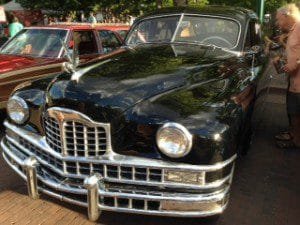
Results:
<point x="167" y="213"/>
<point x="215" y="184"/>
<point x="62" y="198"/>
<point x="28" y="70"/>
<point x="177" y="28"/>
<point x="211" y="197"/>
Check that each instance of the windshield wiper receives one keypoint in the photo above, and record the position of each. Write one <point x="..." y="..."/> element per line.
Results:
<point x="150" y="42"/>
<point x="198" y="44"/>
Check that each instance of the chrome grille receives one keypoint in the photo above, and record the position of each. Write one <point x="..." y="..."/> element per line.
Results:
<point x="53" y="134"/>
<point x="116" y="172"/>
<point x="112" y="172"/>
<point x="82" y="140"/>
<point x="41" y="154"/>
<point x="75" y="134"/>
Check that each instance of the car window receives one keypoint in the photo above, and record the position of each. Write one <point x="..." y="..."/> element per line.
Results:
<point x="122" y="33"/>
<point x="85" y="42"/>
<point x="109" y="40"/>
<point x="253" y="36"/>
<point x="218" y="31"/>
<point x="154" y="30"/>
<point x="36" y="43"/>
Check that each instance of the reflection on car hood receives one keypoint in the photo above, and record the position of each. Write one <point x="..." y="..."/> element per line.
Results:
<point x="138" y="74"/>
<point x="14" y="62"/>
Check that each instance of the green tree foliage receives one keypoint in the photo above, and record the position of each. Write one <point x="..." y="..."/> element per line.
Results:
<point x="59" y="5"/>
<point x="270" y="5"/>
<point x="135" y="7"/>
<point x="3" y="1"/>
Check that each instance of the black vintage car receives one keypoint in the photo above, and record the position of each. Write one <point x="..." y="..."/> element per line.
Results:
<point x="153" y="129"/>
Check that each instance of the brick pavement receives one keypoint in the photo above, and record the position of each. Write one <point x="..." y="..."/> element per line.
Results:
<point x="265" y="188"/>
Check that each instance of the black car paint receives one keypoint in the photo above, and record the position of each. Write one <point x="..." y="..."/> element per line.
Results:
<point x="144" y="87"/>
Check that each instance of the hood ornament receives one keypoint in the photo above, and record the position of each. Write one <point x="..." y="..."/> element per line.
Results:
<point x="79" y="73"/>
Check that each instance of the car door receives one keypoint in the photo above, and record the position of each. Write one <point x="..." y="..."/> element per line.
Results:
<point x="32" y="54"/>
<point x="254" y="48"/>
<point x="86" y="44"/>
<point x="109" y="40"/>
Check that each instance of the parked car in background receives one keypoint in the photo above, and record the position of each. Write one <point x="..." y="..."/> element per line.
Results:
<point x="121" y="29"/>
<point x="37" y="52"/>
<point x="3" y="33"/>
<point x="154" y="129"/>
<point x="111" y="35"/>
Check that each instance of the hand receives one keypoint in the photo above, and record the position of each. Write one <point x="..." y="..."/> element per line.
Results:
<point x="276" y="59"/>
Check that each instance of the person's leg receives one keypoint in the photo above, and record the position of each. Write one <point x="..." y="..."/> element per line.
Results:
<point x="295" y="122"/>
<point x="293" y="109"/>
<point x="286" y="135"/>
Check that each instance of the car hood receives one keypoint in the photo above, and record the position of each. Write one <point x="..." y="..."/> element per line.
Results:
<point x="138" y="74"/>
<point x="14" y="62"/>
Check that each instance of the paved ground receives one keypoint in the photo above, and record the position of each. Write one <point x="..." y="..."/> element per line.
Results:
<point x="265" y="189"/>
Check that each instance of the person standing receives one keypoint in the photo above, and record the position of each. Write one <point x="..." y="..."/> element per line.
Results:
<point x="92" y="18"/>
<point x="14" y="27"/>
<point x="288" y="20"/>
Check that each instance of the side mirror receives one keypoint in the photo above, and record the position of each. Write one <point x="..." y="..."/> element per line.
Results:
<point x="72" y="56"/>
<point x="256" y="49"/>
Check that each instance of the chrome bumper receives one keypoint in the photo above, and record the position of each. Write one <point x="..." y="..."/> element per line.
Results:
<point x="101" y="192"/>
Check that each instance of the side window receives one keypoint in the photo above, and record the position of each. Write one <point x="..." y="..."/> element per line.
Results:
<point x="109" y="40"/>
<point x="85" y="42"/>
<point x="253" y="35"/>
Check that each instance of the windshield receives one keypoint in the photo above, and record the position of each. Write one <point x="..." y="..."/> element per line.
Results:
<point x="36" y="43"/>
<point x="207" y="30"/>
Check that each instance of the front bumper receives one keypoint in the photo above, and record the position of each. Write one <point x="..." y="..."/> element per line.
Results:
<point x="110" y="188"/>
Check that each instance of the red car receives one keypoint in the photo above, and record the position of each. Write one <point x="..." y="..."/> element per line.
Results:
<point x="38" y="52"/>
<point x="121" y="29"/>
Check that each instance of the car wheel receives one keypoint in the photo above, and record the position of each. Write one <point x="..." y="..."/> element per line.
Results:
<point x="2" y="117"/>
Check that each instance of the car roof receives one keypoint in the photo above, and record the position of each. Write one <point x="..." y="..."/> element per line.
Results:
<point x="238" y="13"/>
<point x="83" y="26"/>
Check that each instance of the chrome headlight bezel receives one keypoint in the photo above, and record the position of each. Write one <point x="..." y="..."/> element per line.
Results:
<point x="165" y="147"/>
<point x="16" y="117"/>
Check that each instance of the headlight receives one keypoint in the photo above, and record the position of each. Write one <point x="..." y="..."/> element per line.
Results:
<point x="174" y="140"/>
<point x="17" y="110"/>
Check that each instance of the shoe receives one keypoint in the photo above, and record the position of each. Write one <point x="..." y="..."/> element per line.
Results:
<point x="287" y="145"/>
<point x="284" y="136"/>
